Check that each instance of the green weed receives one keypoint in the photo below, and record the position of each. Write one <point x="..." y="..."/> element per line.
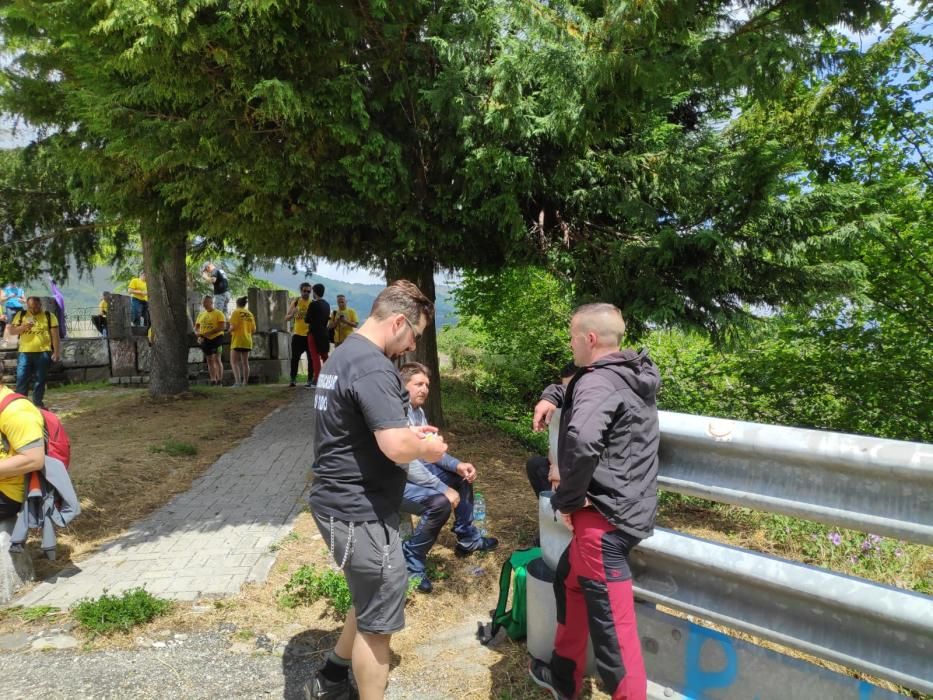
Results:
<point x="308" y="585"/>
<point x="175" y="448"/>
<point x="109" y="613"/>
<point x="36" y="612"/>
<point x="290" y="537"/>
<point x="435" y="570"/>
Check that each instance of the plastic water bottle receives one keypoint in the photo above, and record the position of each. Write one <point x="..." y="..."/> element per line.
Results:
<point x="479" y="513"/>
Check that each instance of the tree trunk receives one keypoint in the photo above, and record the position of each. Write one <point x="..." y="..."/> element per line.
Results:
<point x="164" y="261"/>
<point x="421" y="272"/>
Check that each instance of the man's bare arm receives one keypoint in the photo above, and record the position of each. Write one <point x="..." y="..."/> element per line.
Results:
<point x="402" y="445"/>
<point x="29" y="460"/>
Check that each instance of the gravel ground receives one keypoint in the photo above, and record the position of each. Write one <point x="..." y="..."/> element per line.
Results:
<point x="189" y="666"/>
<point x="198" y="666"/>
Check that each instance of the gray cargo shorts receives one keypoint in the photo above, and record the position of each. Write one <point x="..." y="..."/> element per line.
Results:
<point x="374" y="568"/>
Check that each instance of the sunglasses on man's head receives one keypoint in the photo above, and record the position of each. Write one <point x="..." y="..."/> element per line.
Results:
<point x="414" y="332"/>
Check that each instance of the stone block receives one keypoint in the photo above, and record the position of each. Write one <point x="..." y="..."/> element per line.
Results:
<point x="85" y="352"/>
<point x="268" y="371"/>
<point x="280" y="346"/>
<point x="76" y="375"/>
<point x="123" y="357"/>
<point x="96" y="374"/>
<point x="258" y="303"/>
<point x="278" y="307"/>
<point x="119" y="317"/>
<point x="195" y="356"/>
<point x="260" y="347"/>
<point x="143" y="355"/>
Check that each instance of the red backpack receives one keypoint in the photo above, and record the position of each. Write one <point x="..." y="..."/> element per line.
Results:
<point x="57" y="442"/>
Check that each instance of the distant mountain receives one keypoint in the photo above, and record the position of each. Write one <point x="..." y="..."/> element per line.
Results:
<point x="85" y="292"/>
<point x="359" y="296"/>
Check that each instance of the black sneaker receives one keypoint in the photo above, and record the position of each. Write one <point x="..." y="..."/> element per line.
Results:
<point x="540" y="673"/>
<point x="424" y="584"/>
<point x="292" y="384"/>
<point x="319" y="688"/>
<point x="483" y="544"/>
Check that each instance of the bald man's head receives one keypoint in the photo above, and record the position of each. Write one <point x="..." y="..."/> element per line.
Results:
<point x="594" y="329"/>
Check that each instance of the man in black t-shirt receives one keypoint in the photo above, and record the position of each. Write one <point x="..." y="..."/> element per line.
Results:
<point x="361" y="436"/>
<point x="220" y="285"/>
<point x="317" y="317"/>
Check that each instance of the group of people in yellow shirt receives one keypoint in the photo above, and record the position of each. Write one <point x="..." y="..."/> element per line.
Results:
<point x="210" y="327"/>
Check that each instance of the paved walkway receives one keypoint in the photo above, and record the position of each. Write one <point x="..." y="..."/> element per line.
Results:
<point x="216" y="536"/>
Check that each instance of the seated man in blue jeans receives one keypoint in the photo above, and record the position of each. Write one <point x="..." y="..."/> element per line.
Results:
<point x="433" y="490"/>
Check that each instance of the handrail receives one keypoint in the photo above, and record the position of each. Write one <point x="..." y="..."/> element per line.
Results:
<point x="864" y="483"/>
<point x="881" y="630"/>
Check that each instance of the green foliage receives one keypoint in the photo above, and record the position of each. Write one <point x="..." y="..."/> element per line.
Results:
<point x="109" y="614"/>
<point x="36" y="198"/>
<point x="175" y="448"/>
<point x="858" y="553"/>
<point x="308" y="585"/>
<point x="519" y="319"/>
<point x="285" y="128"/>
<point x="436" y="570"/>
<point x="31" y="614"/>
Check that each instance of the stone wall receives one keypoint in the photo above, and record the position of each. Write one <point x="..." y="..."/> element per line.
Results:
<point x="125" y="356"/>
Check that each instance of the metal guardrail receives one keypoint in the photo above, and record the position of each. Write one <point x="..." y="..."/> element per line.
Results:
<point x="881" y="630"/>
<point x="869" y="484"/>
<point x="863" y="483"/>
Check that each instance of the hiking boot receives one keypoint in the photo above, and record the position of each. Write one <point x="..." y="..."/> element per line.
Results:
<point x="483" y="544"/>
<point x="540" y="673"/>
<point x="319" y="688"/>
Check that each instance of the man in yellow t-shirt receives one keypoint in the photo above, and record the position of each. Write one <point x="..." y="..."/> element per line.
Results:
<point x="21" y="451"/>
<point x="38" y="347"/>
<point x="210" y="327"/>
<point x="139" y="291"/>
<point x="242" y="327"/>
<point x="100" y="320"/>
<point x="297" y="310"/>
<point x="343" y="320"/>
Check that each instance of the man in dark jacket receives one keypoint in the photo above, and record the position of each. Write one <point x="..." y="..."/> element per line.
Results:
<point x="608" y="464"/>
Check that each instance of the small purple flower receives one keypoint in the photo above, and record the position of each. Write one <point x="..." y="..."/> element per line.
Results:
<point x="866" y="545"/>
<point x="835" y="538"/>
<point x="898" y="552"/>
<point x="853" y="559"/>
<point x="875" y="539"/>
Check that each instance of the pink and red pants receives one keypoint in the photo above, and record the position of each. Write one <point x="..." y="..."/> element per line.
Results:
<point x="593" y="587"/>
